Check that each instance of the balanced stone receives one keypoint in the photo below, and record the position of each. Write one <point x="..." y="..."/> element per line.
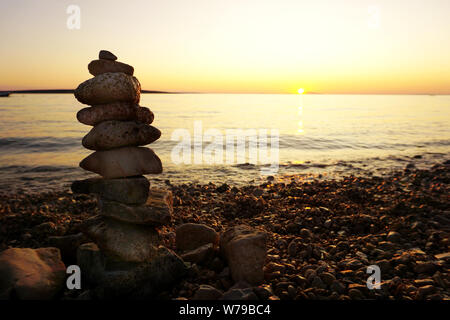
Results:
<point x="156" y="212"/>
<point x="97" y="67"/>
<point x="123" y="111"/>
<point x="124" y="241"/>
<point x="143" y="280"/>
<point x="115" y="134"/>
<point x="109" y="87"/>
<point x="123" y="162"/>
<point x="133" y="190"/>
<point x="105" y="54"/>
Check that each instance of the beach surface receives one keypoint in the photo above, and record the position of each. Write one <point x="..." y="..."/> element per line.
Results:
<point x="322" y="234"/>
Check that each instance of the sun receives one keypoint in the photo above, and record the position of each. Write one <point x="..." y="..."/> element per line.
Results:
<point x="301" y="91"/>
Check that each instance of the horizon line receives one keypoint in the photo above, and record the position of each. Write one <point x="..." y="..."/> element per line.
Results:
<point x="62" y="91"/>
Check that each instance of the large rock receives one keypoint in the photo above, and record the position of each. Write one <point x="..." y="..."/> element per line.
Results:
<point x="123" y="162"/>
<point x="190" y="236"/>
<point x="156" y="212"/>
<point x="122" y="240"/>
<point x="144" y="280"/>
<point x="31" y="274"/>
<point x="105" y="54"/>
<point x="123" y="111"/>
<point x="115" y="134"/>
<point x="245" y="250"/>
<point x="109" y="87"/>
<point x="97" y="67"/>
<point x="133" y="190"/>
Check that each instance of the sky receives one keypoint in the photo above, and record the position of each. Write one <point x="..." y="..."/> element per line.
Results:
<point x="242" y="46"/>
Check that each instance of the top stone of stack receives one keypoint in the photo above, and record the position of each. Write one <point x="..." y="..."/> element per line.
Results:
<point x="106" y="55"/>
<point x="107" y="63"/>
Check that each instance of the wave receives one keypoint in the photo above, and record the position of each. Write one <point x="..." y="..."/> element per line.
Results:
<point x="309" y="143"/>
<point x="38" y="144"/>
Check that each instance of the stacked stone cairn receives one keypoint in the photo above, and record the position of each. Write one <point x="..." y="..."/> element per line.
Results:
<point x="126" y="258"/>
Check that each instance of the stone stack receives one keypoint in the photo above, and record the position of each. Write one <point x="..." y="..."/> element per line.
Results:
<point x="129" y="210"/>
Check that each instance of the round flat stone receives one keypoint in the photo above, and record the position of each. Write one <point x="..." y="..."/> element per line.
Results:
<point x="123" y="111"/>
<point x="156" y="212"/>
<point x="123" y="162"/>
<point x="133" y="190"/>
<point x="115" y="134"/>
<point x="109" y="87"/>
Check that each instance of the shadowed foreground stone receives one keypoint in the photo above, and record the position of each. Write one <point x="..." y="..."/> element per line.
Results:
<point x="156" y="212"/>
<point x="200" y="255"/>
<point x="132" y="190"/>
<point x="91" y="261"/>
<point x="115" y="279"/>
<point x="190" y="236"/>
<point x="124" y="241"/>
<point x="207" y="292"/>
<point x="123" y="162"/>
<point x="31" y="274"/>
<point x="115" y="134"/>
<point x="109" y="87"/>
<point x="245" y="250"/>
<point x="122" y="111"/>
<point x="97" y="67"/>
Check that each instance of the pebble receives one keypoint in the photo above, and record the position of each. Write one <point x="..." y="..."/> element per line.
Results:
<point x="327" y="278"/>
<point x="355" y="294"/>
<point x="337" y="286"/>
<point x="305" y="233"/>
<point x="393" y="236"/>
<point x="422" y="292"/>
<point x="425" y="267"/>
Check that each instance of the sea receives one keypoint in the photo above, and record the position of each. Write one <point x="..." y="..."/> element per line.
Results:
<point x="236" y="139"/>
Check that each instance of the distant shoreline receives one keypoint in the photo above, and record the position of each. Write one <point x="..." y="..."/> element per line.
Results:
<point x="70" y="91"/>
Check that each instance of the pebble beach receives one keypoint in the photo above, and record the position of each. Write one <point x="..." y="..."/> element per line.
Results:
<point x="321" y="235"/>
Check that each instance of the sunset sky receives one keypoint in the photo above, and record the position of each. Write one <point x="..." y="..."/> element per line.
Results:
<point x="267" y="46"/>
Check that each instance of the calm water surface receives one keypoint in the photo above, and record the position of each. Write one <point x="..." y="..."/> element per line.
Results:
<point x="332" y="135"/>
